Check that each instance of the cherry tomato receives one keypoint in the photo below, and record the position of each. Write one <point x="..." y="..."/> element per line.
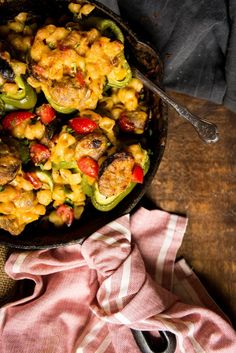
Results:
<point x="80" y="78"/>
<point x="83" y="125"/>
<point x="46" y="113"/>
<point x="125" y="124"/>
<point x="39" y="153"/>
<point x="66" y="213"/>
<point x="137" y="174"/>
<point x="88" y="166"/>
<point x="15" y="118"/>
<point x="32" y="177"/>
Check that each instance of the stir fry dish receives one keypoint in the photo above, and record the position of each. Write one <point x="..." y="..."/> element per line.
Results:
<point x="72" y="118"/>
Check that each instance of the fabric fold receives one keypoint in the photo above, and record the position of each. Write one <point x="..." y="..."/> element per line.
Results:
<point x="87" y="297"/>
<point x="196" y="41"/>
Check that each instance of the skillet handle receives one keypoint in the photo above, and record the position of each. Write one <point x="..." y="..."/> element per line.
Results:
<point x="168" y="342"/>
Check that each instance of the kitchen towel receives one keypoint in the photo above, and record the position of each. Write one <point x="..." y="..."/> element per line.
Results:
<point x="87" y="297"/>
<point x="196" y="40"/>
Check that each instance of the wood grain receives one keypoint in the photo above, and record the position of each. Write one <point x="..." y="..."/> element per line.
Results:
<point x="199" y="180"/>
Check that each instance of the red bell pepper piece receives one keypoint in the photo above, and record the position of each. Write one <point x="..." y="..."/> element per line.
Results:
<point x="83" y="125"/>
<point x="32" y="177"/>
<point x="15" y="118"/>
<point x="66" y="213"/>
<point x="80" y="78"/>
<point x="47" y="113"/>
<point x="125" y="124"/>
<point x="39" y="153"/>
<point x="88" y="166"/>
<point x="137" y="174"/>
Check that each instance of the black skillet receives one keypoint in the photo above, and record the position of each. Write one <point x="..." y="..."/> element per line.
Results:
<point x="37" y="235"/>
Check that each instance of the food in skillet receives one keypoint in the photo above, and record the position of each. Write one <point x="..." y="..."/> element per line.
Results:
<point x="72" y="66"/>
<point x="15" y="92"/>
<point x="73" y="147"/>
<point x="9" y="163"/>
<point x="56" y="172"/>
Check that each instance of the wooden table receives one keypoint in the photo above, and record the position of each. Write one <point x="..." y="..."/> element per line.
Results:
<point x="199" y="181"/>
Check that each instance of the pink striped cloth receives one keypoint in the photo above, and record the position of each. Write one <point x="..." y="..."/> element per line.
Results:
<point x="87" y="297"/>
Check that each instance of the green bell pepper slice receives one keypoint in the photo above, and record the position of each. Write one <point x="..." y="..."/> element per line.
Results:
<point x="64" y="165"/>
<point x="111" y="77"/>
<point x="104" y="26"/>
<point x="101" y="203"/>
<point x="57" y="107"/>
<point x="111" y="201"/>
<point x="86" y="187"/>
<point x="26" y="98"/>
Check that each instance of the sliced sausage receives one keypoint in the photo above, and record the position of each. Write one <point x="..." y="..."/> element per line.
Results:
<point x="93" y="145"/>
<point x="133" y="121"/>
<point x="9" y="163"/>
<point x="115" y="174"/>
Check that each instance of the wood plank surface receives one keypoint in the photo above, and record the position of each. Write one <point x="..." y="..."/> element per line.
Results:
<point x="199" y="180"/>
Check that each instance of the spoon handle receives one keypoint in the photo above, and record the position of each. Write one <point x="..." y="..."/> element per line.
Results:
<point x="206" y="130"/>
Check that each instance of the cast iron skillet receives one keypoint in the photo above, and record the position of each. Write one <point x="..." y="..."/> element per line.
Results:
<point x="36" y="235"/>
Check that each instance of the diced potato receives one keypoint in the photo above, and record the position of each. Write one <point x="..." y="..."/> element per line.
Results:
<point x="86" y="9"/>
<point x="9" y="193"/>
<point x="136" y="84"/>
<point x="16" y="26"/>
<point x="78" y="210"/>
<point x="74" y="8"/>
<point x="22" y="183"/>
<point x="7" y="207"/>
<point x="138" y="153"/>
<point x="47" y="165"/>
<point x="39" y="209"/>
<point x="127" y="96"/>
<point x="21" y="17"/>
<point x="59" y="193"/>
<point x="44" y="197"/>
<point x="57" y="178"/>
<point x="27" y="217"/>
<point x="35" y="131"/>
<point x="25" y="200"/>
<point x="77" y="196"/>
<point x="55" y="219"/>
<point x="116" y="111"/>
<point x="106" y="124"/>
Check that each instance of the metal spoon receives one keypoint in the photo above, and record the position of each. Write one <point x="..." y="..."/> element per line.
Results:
<point x="206" y="130"/>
